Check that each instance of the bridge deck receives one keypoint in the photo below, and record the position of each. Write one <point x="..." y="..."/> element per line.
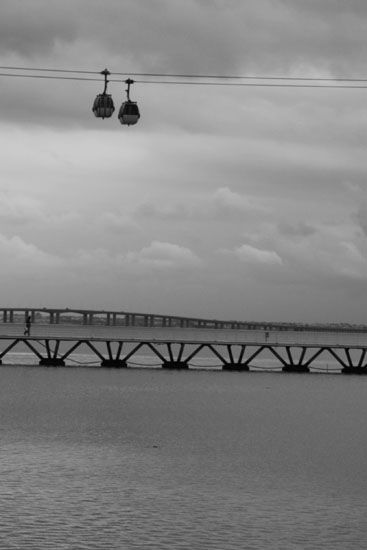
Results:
<point x="125" y="318"/>
<point x="292" y="351"/>
<point x="195" y="336"/>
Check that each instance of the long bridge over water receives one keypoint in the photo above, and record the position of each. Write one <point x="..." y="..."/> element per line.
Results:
<point x="126" y="318"/>
<point x="120" y="338"/>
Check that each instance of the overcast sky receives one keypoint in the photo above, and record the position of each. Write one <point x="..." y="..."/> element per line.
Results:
<point x="236" y="203"/>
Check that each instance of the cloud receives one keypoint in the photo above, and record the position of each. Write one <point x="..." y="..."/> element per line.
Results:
<point x="23" y="210"/>
<point x="249" y="254"/>
<point x="273" y="176"/>
<point x="360" y="216"/>
<point x="267" y="36"/>
<point x="117" y="223"/>
<point x="163" y="255"/>
<point x="164" y="211"/>
<point x="326" y="257"/>
<point x="188" y="33"/>
<point x="19" y="209"/>
<point x="315" y="257"/>
<point x="277" y="35"/>
<point x="24" y="259"/>
<point x="29" y="28"/>
<point x="221" y="205"/>
<point x="299" y="229"/>
<point x="226" y="201"/>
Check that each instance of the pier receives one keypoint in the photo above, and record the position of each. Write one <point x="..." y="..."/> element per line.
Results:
<point x="120" y="340"/>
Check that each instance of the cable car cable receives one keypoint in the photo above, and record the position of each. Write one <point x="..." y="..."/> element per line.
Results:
<point x="190" y="75"/>
<point x="54" y="77"/>
<point x="39" y="69"/>
<point x="129" y="114"/>
<point x="190" y="83"/>
<point x="251" y="84"/>
<point x="247" y="77"/>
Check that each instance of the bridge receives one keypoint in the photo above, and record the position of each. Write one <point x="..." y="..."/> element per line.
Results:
<point x="125" y="318"/>
<point x="119" y="339"/>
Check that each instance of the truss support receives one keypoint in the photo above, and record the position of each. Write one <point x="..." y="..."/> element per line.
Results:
<point x="52" y="362"/>
<point x="354" y="370"/>
<point x="295" y="368"/>
<point x="178" y="365"/>
<point x="114" y="363"/>
<point x="240" y="367"/>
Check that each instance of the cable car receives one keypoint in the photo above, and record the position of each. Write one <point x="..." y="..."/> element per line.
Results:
<point x="103" y="106"/>
<point x="129" y="111"/>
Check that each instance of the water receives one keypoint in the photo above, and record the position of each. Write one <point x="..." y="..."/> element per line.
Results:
<point x="131" y="459"/>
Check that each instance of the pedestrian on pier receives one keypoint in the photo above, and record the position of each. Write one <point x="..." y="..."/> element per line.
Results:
<point x="27" y="331"/>
<point x="266" y="336"/>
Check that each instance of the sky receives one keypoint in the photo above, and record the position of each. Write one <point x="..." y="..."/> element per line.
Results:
<point x="222" y="202"/>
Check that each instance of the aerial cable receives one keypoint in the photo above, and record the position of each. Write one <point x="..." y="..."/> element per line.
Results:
<point x="251" y="84"/>
<point x="103" y="106"/>
<point x="190" y="75"/>
<point x="192" y="83"/>
<point x="245" y="77"/>
<point x="40" y="69"/>
<point x="47" y="77"/>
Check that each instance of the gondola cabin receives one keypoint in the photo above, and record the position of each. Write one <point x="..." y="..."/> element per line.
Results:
<point x="129" y="113"/>
<point x="103" y="106"/>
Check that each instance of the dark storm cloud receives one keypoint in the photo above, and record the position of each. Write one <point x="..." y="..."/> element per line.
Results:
<point x="30" y="28"/>
<point x="195" y="35"/>
<point x="227" y="36"/>
<point x="300" y="229"/>
<point x="361" y="217"/>
<point x="284" y="169"/>
<point x="232" y="36"/>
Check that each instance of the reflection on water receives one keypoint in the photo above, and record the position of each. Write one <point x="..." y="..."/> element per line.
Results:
<point x="92" y="458"/>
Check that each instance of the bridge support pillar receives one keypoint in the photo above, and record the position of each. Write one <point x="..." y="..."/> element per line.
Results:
<point x="114" y="363"/>
<point x="354" y="370"/>
<point x="175" y="365"/>
<point x="52" y="362"/>
<point x="235" y="367"/>
<point x="295" y="368"/>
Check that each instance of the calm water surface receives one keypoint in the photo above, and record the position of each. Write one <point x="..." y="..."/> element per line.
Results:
<point x="135" y="459"/>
